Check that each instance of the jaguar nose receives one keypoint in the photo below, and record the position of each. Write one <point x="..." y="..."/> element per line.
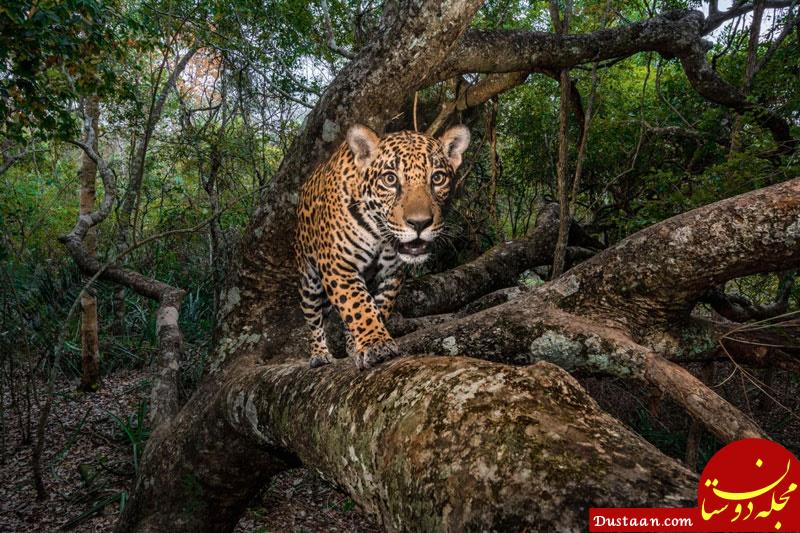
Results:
<point x="419" y="223"/>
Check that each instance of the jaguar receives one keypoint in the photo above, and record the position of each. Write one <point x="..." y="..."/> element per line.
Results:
<point x="374" y="207"/>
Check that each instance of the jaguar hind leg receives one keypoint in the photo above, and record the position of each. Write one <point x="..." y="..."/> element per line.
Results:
<point x="313" y="303"/>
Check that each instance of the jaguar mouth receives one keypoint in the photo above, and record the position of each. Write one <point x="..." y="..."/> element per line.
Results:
<point x="413" y="248"/>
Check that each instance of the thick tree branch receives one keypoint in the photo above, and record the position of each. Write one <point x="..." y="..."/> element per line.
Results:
<point x="412" y="444"/>
<point x="657" y="275"/>
<point x="674" y="34"/>
<point x="527" y="51"/>
<point x="526" y="331"/>
<point x="498" y="268"/>
<point x="719" y="417"/>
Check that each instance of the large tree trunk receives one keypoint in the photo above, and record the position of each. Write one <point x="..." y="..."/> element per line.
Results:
<point x="90" y="343"/>
<point x="453" y="443"/>
<point x="412" y="38"/>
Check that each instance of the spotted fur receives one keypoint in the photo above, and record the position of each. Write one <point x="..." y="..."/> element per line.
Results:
<point x="374" y="206"/>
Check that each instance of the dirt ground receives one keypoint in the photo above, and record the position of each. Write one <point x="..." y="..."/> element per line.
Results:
<point x="88" y="467"/>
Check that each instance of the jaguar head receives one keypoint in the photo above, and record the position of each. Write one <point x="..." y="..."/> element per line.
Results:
<point x="407" y="181"/>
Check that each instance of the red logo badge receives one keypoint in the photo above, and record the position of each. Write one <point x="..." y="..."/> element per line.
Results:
<point x="749" y="485"/>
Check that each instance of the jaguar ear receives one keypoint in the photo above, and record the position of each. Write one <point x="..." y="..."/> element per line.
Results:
<point x="363" y="143"/>
<point x="455" y="140"/>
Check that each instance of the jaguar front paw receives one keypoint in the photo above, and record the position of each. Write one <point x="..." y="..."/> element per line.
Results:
<point x="375" y="354"/>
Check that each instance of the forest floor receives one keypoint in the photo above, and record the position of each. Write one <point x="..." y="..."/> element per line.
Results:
<point x="88" y="467"/>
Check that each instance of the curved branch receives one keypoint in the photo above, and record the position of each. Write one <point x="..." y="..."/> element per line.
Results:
<point x="475" y="95"/>
<point x="529" y="51"/>
<point x="739" y="309"/>
<point x="164" y="395"/>
<point x="721" y="418"/>
<point x="717" y="18"/>
<point x="498" y="268"/>
<point x="714" y="89"/>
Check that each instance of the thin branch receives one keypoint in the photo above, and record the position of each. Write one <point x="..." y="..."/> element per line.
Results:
<point x="8" y="161"/>
<point x="663" y="98"/>
<point x="326" y="17"/>
<point x="416" y="101"/>
<point x="791" y="21"/>
<point x="715" y="20"/>
<point x="588" y="116"/>
<point x="474" y="95"/>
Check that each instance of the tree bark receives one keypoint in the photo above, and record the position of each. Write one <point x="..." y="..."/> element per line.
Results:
<point x="90" y="343"/>
<point x="424" y="443"/>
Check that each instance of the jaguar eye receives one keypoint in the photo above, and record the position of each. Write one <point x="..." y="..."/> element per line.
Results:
<point x="438" y="179"/>
<point x="389" y="180"/>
